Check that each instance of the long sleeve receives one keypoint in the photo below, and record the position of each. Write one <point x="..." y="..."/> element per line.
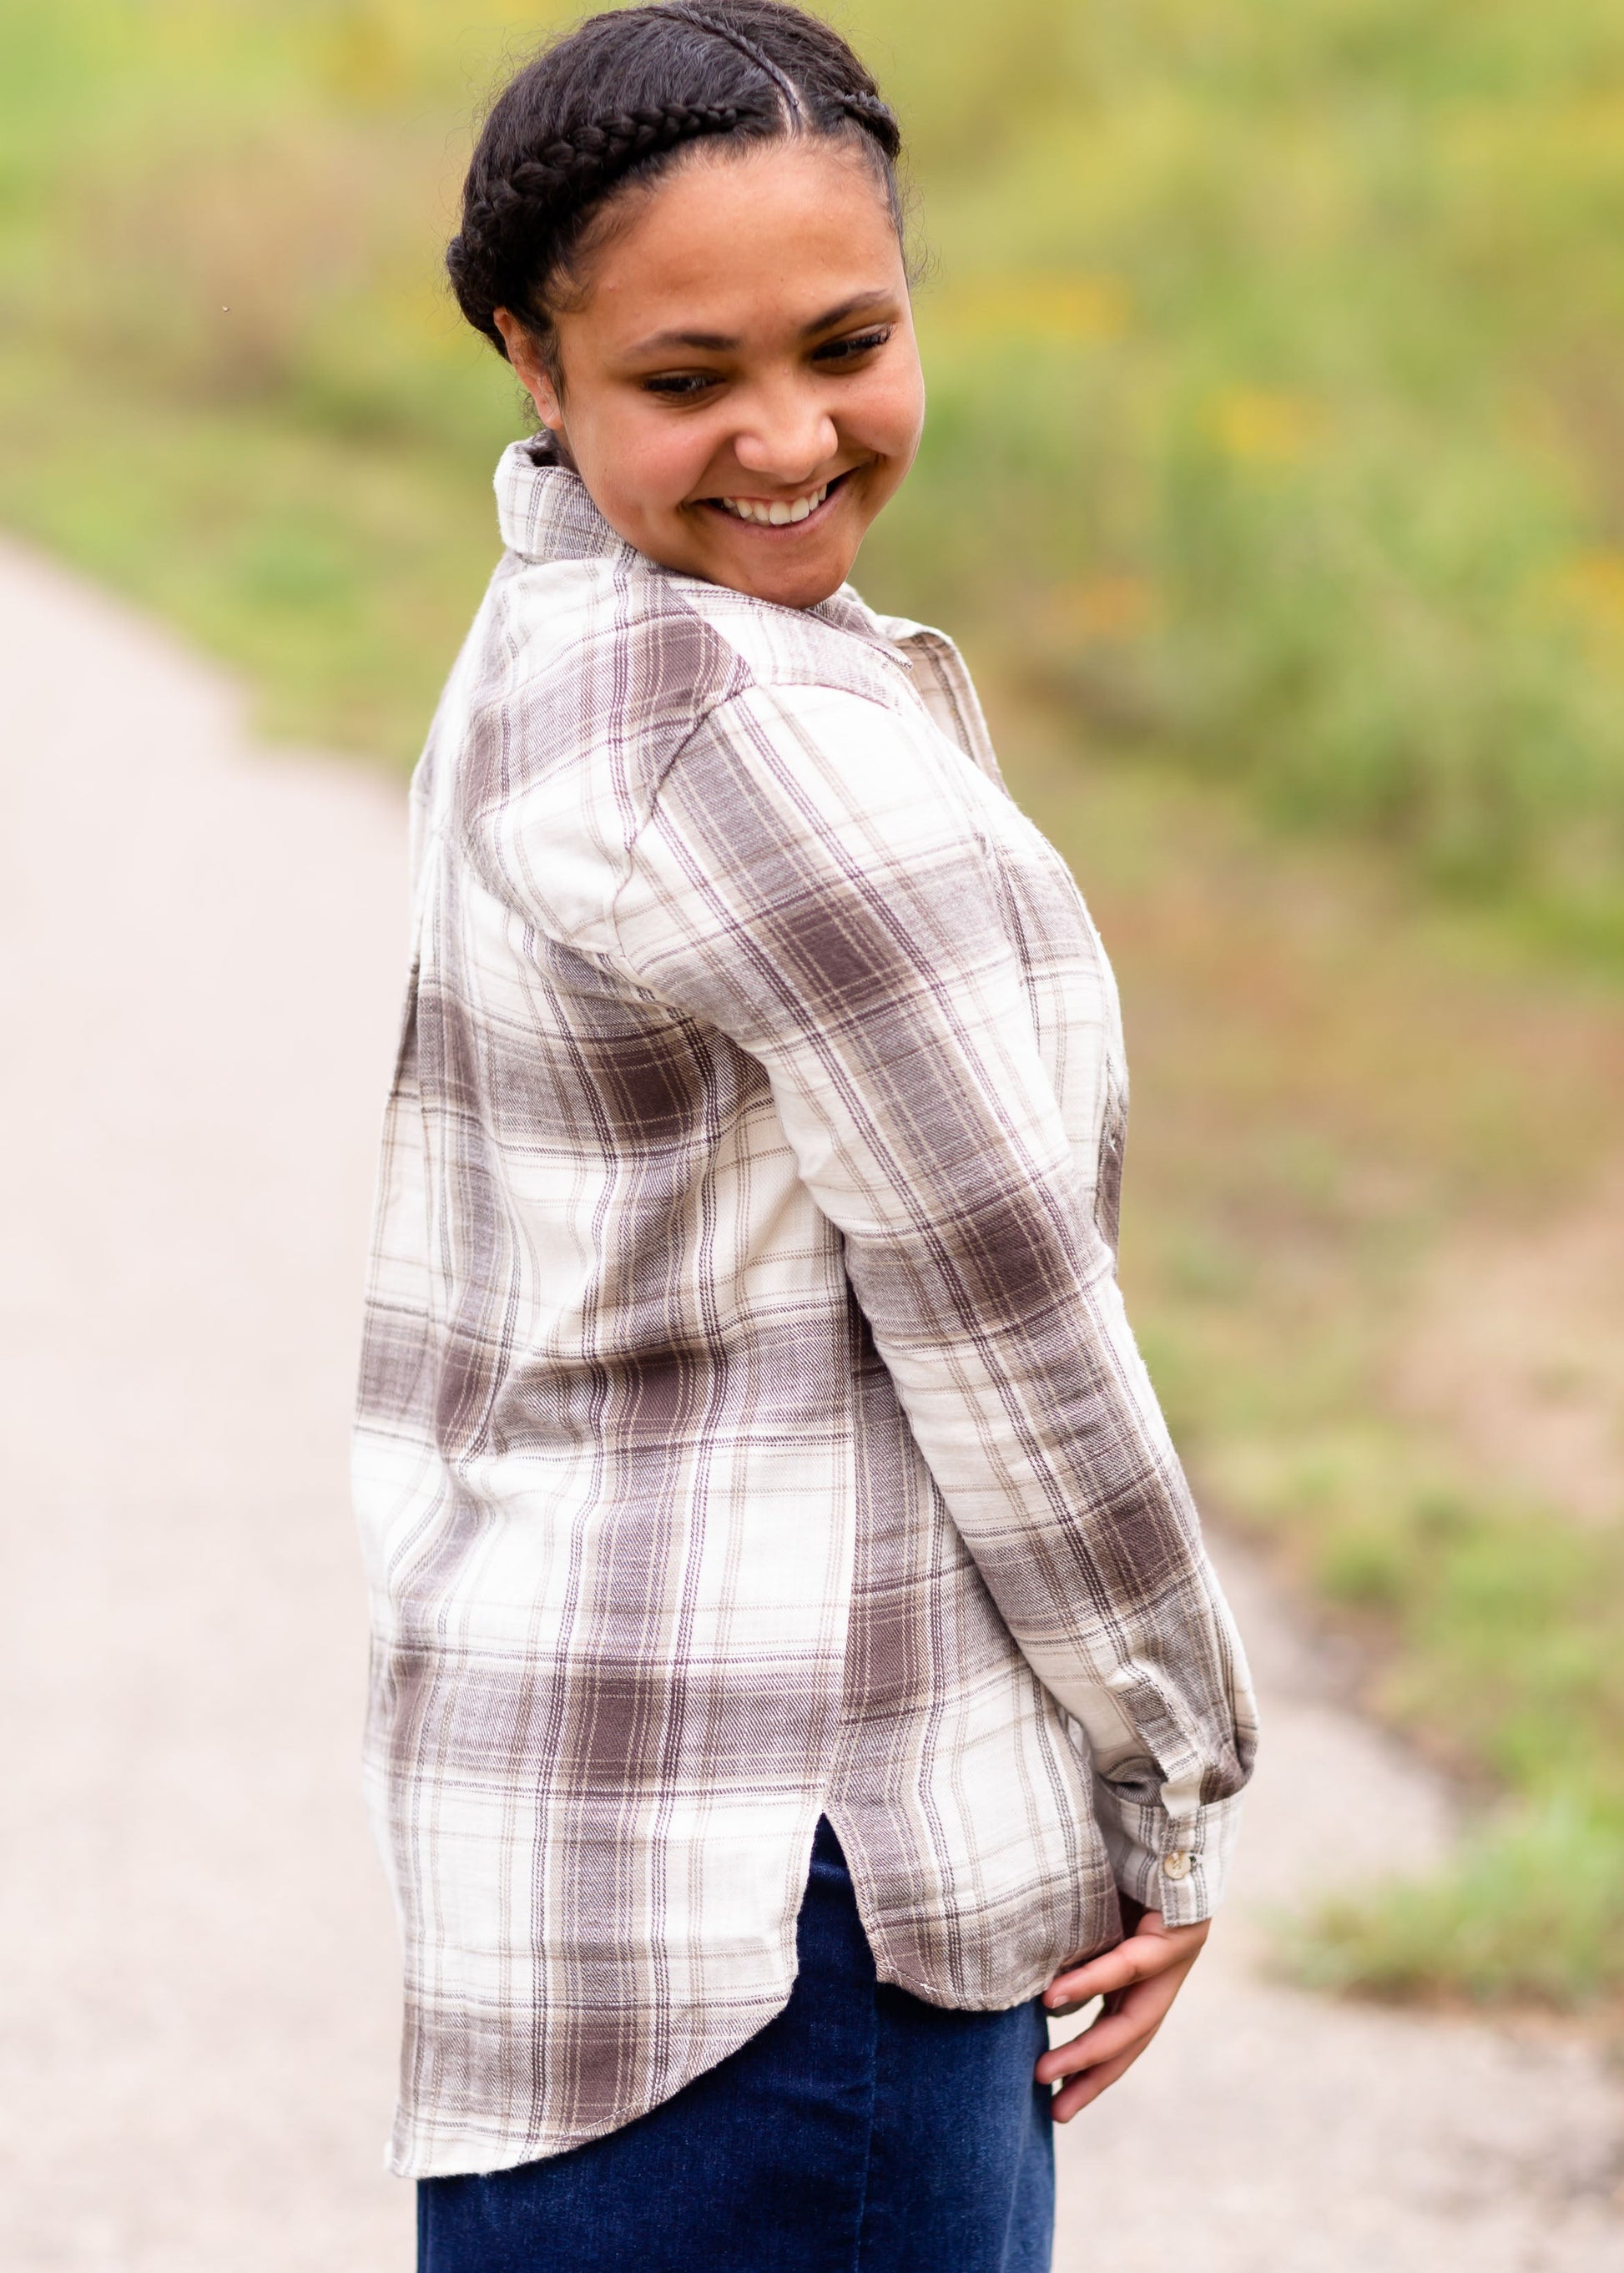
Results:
<point x="832" y="885"/>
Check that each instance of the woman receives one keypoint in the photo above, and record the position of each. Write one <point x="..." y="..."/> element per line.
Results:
<point x="796" y="1663"/>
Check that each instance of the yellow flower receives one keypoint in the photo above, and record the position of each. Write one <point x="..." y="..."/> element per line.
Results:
<point x="1592" y="586"/>
<point x="1265" y="425"/>
<point x="1071" y="309"/>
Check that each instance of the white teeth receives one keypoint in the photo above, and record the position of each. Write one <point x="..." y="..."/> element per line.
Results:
<point x="776" y="514"/>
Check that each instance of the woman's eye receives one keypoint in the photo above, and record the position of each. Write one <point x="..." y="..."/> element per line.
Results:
<point x="678" y="385"/>
<point x="858" y="343"/>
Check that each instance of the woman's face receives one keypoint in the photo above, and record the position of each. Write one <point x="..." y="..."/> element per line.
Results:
<point x="741" y="382"/>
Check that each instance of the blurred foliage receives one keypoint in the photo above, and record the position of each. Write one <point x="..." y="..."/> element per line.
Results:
<point x="1533" y="1907"/>
<point x="1297" y="423"/>
<point x="1277" y="447"/>
<point x="1508" y="1663"/>
<point x="1276" y="420"/>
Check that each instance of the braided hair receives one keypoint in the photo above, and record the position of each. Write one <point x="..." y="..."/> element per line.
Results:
<point x="613" y="102"/>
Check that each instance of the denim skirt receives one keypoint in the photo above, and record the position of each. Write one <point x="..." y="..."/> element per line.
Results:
<point x="862" y="2131"/>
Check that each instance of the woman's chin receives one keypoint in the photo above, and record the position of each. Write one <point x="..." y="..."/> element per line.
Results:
<point x="786" y="575"/>
<point x="791" y="567"/>
<point x="787" y="590"/>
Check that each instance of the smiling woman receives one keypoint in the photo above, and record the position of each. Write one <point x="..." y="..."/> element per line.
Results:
<point x="705" y="293"/>
<point x="796" y="1661"/>
<point x="735" y="414"/>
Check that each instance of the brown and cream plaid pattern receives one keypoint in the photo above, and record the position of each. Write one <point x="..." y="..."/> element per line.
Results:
<point x="750" y="1423"/>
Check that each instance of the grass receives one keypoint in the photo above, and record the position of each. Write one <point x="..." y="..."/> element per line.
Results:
<point x="1278" y="343"/>
<point x="1275" y="471"/>
<point x="1531" y="1909"/>
<point x="337" y="578"/>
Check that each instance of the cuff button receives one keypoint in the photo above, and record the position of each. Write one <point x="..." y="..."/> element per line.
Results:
<point x="1175" y="1865"/>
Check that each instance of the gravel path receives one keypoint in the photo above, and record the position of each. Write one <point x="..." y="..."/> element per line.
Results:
<point x="198" y="2043"/>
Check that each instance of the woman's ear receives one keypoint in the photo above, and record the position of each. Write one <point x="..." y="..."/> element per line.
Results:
<point x="533" y="375"/>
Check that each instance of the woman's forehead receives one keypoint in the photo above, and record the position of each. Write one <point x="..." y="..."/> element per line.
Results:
<point x="775" y="231"/>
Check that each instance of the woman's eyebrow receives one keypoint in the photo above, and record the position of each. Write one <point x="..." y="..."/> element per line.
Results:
<point x="723" y="342"/>
<point x="855" y="306"/>
<point x="717" y="342"/>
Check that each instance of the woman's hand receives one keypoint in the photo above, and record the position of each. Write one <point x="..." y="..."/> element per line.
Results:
<point x="1139" y="1980"/>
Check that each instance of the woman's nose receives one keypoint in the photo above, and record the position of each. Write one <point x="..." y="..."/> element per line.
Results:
<point x="786" y="436"/>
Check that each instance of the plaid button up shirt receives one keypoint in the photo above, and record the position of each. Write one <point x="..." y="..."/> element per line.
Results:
<point x="749" y="1424"/>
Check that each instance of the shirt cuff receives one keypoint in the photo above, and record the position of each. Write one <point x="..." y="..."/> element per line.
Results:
<point x="1175" y="1864"/>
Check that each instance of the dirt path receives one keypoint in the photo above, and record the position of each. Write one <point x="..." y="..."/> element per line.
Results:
<point x="1516" y="1355"/>
<point x="1273" y="2132"/>
<point x="198" y="2043"/>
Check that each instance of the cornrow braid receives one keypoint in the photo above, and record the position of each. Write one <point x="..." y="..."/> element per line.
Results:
<point x="504" y="219"/>
<point x="872" y="113"/>
<point x="745" y="47"/>
<point x="613" y="102"/>
<point x="864" y="104"/>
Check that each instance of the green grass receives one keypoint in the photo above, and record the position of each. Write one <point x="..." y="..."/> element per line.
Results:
<point x="1507" y="1665"/>
<point x="1275" y="469"/>
<point x="1507" y="1661"/>
<point x="328" y="572"/>
<point x="1293" y="449"/>
<point x="1532" y="1908"/>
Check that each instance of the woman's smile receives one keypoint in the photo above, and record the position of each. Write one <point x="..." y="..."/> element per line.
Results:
<point x="775" y="516"/>
<point x="772" y="513"/>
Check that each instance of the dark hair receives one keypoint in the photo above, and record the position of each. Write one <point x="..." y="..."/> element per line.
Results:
<point x="613" y="102"/>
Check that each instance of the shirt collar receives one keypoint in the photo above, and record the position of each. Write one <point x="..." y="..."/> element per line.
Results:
<point x="545" y="512"/>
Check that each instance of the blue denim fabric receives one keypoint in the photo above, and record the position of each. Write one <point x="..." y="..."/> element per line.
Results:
<point x="862" y="2131"/>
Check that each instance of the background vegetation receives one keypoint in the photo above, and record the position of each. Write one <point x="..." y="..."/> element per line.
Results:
<point x="1275" y="480"/>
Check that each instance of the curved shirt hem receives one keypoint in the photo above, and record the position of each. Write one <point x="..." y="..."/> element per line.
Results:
<point x="406" y="2159"/>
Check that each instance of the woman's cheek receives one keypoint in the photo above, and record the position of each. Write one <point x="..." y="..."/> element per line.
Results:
<point x="667" y="464"/>
<point x="905" y="415"/>
<point x="894" y="411"/>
